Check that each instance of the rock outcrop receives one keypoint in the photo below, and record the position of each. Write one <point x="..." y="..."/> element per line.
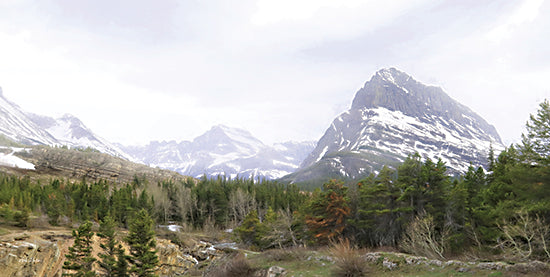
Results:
<point x="37" y="254"/>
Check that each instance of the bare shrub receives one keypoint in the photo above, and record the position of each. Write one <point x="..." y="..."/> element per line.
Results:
<point x="280" y="233"/>
<point x="421" y="239"/>
<point x="348" y="260"/>
<point x="525" y="237"/>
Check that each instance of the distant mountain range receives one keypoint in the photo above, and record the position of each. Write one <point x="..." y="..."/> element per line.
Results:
<point x="393" y="116"/>
<point x="224" y="151"/>
<point x="221" y="150"/>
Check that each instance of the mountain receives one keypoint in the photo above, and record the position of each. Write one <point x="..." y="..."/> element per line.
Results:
<point x="70" y="131"/>
<point x="393" y="116"/>
<point x="33" y="129"/>
<point x="18" y="126"/>
<point x="224" y="151"/>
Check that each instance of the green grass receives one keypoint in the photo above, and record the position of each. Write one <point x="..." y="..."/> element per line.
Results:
<point x="317" y="264"/>
<point x="305" y="264"/>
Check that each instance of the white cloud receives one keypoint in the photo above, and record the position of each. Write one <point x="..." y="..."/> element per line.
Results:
<point x="281" y="69"/>
<point x="526" y="13"/>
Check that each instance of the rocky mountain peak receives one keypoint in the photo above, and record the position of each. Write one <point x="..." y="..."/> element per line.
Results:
<point x="391" y="75"/>
<point x="397" y="91"/>
<point x="394" y="115"/>
<point x="71" y="118"/>
<point x="229" y="139"/>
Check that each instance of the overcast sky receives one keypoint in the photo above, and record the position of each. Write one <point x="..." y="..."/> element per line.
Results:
<point x="136" y="70"/>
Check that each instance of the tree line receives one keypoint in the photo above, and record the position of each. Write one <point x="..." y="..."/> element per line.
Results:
<point x="218" y="202"/>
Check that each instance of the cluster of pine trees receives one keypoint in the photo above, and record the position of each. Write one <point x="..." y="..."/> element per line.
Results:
<point x="113" y="260"/>
<point x="218" y="202"/>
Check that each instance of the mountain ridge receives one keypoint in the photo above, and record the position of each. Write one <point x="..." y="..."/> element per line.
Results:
<point x="223" y="150"/>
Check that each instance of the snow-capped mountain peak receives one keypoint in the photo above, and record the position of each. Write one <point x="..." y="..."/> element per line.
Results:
<point x="392" y="116"/>
<point x="223" y="150"/>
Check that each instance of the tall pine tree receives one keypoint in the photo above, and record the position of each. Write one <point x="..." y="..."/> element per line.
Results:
<point x="80" y="261"/>
<point x="538" y="131"/>
<point x="111" y="249"/>
<point x="141" y="240"/>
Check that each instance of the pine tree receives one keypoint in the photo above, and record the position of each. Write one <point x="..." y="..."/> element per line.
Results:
<point x="491" y="158"/>
<point x="410" y="182"/>
<point x="121" y="266"/>
<point x="328" y="212"/>
<point x="141" y="240"/>
<point x="538" y="128"/>
<point x="248" y="230"/>
<point x="79" y="260"/>
<point x="108" y="257"/>
<point x="377" y="218"/>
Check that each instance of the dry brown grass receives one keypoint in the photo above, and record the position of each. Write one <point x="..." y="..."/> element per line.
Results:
<point x="348" y="260"/>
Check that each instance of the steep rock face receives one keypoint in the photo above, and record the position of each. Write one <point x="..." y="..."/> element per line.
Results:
<point x="392" y="116"/>
<point x="39" y="254"/>
<point x="224" y="151"/>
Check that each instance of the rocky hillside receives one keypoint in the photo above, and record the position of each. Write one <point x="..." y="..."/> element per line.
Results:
<point x="224" y="151"/>
<point x="77" y="164"/>
<point x="42" y="253"/>
<point x="393" y="116"/>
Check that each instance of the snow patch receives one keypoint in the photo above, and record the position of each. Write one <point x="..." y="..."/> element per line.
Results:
<point x="14" y="161"/>
<point x="322" y="153"/>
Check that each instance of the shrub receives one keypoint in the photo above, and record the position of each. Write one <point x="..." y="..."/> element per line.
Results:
<point x="21" y="218"/>
<point x="348" y="260"/>
<point x="525" y="237"/>
<point x="421" y="239"/>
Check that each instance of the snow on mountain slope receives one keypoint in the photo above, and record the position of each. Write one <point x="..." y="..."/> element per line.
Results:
<point x="8" y="159"/>
<point x="32" y="129"/>
<point x="17" y="126"/>
<point x="224" y="151"/>
<point x="70" y="131"/>
<point x="393" y="116"/>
